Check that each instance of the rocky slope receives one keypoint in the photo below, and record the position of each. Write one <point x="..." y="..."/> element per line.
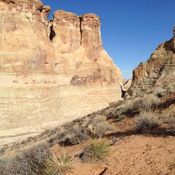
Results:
<point x="158" y="71"/>
<point x="52" y="71"/>
<point x="131" y="148"/>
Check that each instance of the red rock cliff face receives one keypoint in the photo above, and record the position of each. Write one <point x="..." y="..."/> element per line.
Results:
<point x="158" y="71"/>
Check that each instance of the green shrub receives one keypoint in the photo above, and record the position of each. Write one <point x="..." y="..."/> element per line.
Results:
<point x="96" y="151"/>
<point x="58" y="165"/>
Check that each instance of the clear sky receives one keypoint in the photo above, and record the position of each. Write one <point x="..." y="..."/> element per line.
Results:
<point x="131" y="29"/>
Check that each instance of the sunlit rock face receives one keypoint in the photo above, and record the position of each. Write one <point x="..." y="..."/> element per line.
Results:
<point x="78" y="49"/>
<point x="25" y="47"/>
<point x="157" y="72"/>
<point x="52" y="71"/>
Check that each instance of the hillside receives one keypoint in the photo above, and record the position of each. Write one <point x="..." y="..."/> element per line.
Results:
<point x="138" y="133"/>
<point x="72" y="120"/>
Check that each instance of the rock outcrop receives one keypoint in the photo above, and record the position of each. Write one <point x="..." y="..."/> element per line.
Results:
<point x="157" y="72"/>
<point x="68" y="44"/>
<point x="52" y="71"/>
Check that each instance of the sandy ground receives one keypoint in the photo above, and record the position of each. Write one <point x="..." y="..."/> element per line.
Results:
<point x="28" y="111"/>
<point x="134" y="155"/>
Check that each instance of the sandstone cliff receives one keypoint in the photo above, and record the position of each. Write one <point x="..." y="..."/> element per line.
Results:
<point x="68" y="44"/>
<point x="52" y="71"/>
<point x="158" y="71"/>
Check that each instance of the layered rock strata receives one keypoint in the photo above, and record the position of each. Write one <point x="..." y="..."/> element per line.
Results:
<point x="157" y="72"/>
<point x="51" y="71"/>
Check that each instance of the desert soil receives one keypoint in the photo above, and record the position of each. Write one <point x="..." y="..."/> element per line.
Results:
<point x="134" y="155"/>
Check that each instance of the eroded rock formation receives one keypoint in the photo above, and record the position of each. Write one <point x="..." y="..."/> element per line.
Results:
<point x="158" y="71"/>
<point x="68" y="44"/>
<point x="52" y="71"/>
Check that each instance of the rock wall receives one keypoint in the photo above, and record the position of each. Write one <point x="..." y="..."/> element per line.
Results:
<point x="25" y="47"/>
<point x="68" y="44"/>
<point x="52" y="71"/>
<point x="158" y="71"/>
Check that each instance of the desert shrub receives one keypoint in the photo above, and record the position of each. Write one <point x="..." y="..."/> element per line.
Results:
<point x="96" y="151"/>
<point x="162" y="91"/>
<point x="137" y="105"/>
<point x="168" y="117"/>
<point x="3" y="163"/>
<point x="122" y="110"/>
<point x="73" y="135"/>
<point x="170" y="87"/>
<point x="131" y="106"/>
<point x="98" y="126"/>
<point x="30" y="161"/>
<point x="159" y="91"/>
<point x="58" y="165"/>
<point x="120" y="118"/>
<point x="149" y="101"/>
<point x="146" y="121"/>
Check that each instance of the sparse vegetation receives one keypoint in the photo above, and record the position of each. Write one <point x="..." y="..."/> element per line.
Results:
<point x="58" y="165"/>
<point x="149" y="101"/>
<point x="169" y="117"/>
<point x="146" y="121"/>
<point x="135" y="106"/>
<point x="171" y="87"/>
<point x="74" y="135"/>
<point x="30" y="161"/>
<point x="98" y="126"/>
<point x="96" y="151"/>
<point x="3" y="163"/>
<point x="159" y="91"/>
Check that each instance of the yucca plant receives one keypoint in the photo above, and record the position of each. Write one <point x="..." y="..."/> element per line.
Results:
<point x="96" y="151"/>
<point x="58" y="165"/>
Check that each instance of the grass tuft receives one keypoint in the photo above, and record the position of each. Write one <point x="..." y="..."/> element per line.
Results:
<point x="96" y="151"/>
<point x="58" y="165"/>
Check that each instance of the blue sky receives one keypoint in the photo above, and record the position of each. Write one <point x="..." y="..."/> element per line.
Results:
<point x="131" y="29"/>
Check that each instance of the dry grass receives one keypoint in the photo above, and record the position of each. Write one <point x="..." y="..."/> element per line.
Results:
<point x="171" y="87"/>
<point x="159" y="91"/>
<point x="146" y="121"/>
<point x="98" y="126"/>
<point x="135" y="106"/>
<point x="3" y="163"/>
<point x="96" y="151"/>
<point x="30" y="161"/>
<point x="58" y="165"/>
<point x="149" y="101"/>
<point x="168" y="116"/>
